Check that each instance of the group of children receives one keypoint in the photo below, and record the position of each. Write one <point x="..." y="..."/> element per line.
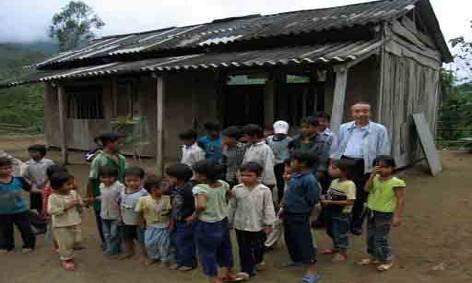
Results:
<point x="224" y="181"/>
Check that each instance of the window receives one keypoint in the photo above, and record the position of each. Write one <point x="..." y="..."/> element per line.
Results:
<point x="126" y="97"/>
<point x="84" y="102"/>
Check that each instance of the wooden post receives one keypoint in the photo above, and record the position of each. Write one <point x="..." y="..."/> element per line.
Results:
<point x="160" y="124"/>
<point x="269" y="101"/>
<point x="62" y="124"/>
<point x="339" y="98"/>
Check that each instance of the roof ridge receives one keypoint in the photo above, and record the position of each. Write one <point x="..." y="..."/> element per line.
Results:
<point x="250" y="16"/>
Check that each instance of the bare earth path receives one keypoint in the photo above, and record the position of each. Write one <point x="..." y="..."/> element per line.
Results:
<point x="433" y="245"/>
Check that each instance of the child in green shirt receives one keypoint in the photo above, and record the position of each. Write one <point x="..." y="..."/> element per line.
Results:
<point x="385" y="208"/>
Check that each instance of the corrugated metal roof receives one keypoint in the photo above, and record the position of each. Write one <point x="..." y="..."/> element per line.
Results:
<point x="335" y="52"/>
<point x="226" y="31"/>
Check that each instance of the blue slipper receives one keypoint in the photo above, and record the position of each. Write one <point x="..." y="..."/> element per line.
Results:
<point x="313" y="278"/>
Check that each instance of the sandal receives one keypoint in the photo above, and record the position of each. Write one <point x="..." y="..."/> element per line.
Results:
<point x="231" y="278"/>
<point x="243" y="275"/>
<point x="185" y="268"/>
<point x="385" y="266"/>
<point x="368" y="261"/>
<point x="328" y="252"/>
<point x="338" y="257"/>
<point x="68" y="265"/>
<point x="311" y="278"/>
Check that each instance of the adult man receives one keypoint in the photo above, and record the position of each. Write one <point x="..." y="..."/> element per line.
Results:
<point x="361" y="141"/>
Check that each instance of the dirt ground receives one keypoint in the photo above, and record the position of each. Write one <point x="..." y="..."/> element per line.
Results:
<point x="433" y="245"/>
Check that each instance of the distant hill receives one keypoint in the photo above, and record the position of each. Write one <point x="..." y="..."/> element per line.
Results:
<point x="21" y="108"/>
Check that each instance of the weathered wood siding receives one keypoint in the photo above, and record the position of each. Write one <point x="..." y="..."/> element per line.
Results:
<point x="409" y="84"/>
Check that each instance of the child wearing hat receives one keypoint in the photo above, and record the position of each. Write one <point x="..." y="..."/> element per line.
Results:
<point x="279" y="143"/>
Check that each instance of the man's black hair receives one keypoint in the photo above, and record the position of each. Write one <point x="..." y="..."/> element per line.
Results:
<point x="323" y="115"/>
<point x="305" y="157"/>
<point x="208" y="168"/>
<point x="188" y="135"/>
<point x="252" y="167"/>
<point x="5" y="161"/>
<point x="253" y="130"/>
<point x="54" y="169"/>
<point x="58" y="179"/>
<point x="135" y="171"/>
<point x="153" y="181"/>
<point x="180" y="171"/>
<point x="212" y="126"/>
<point x="108" y="171"/>
<point x="40" y="148"/>
<point x="232" y="132"/>
<point x="386" y="159"/>
<point x="311" y="120"/>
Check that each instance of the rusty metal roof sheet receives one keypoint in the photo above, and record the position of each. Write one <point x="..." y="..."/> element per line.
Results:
<point x="328" y="53"/>
<point x="227" y="31"/>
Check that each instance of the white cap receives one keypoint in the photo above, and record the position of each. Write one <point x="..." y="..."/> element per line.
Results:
<point x="281" y="127"/>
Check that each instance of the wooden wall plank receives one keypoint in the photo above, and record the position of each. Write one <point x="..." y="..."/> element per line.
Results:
<point x="427" y="143"/>
<point x="160" y="115"/>
<point x="339" y="98"/>
<point x="62" y="124"/>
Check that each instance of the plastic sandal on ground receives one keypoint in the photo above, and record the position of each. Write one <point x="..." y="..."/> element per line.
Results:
<point x="311" y="278"/>
<point x="385" y="266"/>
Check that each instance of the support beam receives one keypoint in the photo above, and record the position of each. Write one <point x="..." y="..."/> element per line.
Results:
<point x="269" y="102"/>
<point x="160" y="93"/>
<point x="339" y="98"/>
<point x="62" y="124"/>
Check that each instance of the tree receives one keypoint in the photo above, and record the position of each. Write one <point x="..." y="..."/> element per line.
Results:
<point x="74" y="25"/>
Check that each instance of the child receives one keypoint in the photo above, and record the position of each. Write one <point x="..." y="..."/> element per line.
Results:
<point x="311" y="140"/>
<point x="337" y="208"/>
<point x="211" y="227"/>
<point x="64" y="206"/>
<point x="260" y="152"/>
<point x="211" y="143"/>
<point x="110" y="192"/>
<point x="13" y="209"/>
<point x="46" y="193"/>
<point x="130" y="218"/>
<point x="301" y="196"/>
<point x="252" y="214"/>
<point x="155" y="211"/>
<point x="233" y="154"/>
<point x="183" y="207"/>
<point x="277" y="232"/>
<point x="191" y="151"/>
<point x="385" y="208"/>
<point x="279" y="143"/>
<point x="35" y="174"/>
<point x="109" y="156"/>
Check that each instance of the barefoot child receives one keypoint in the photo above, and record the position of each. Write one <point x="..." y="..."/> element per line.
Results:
<point x="13" y="209"/>
<point x="110" y="192"/>
<point x="64" y="206"/>
<point x="252" y="214"/>
<point x="385" y="208"/>
<point x="301" y="196"/>
<point x="183" y="207"/>
<point x="211" y="227"/>
<point x="337" y="207"/>
<point x="154" y="213"/>
<point x="131" y="231"/>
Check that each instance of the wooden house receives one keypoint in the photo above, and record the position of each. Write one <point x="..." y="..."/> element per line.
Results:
<point x="250" y="69"/>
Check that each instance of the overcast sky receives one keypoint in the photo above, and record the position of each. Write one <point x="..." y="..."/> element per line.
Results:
<point x="27" y="20"/>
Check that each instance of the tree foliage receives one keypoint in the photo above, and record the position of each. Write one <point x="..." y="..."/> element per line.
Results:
<point x="75" y="24"/>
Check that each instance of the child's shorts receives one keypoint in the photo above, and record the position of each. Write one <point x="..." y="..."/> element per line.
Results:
<point x="133" y="232"/>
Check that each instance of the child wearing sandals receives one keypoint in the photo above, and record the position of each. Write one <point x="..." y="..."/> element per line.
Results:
<point x="385" y="208"/>
<point x="64" y="206"/>
<point x="252" y="214"/>
<point x="211" y="230"/>
<point x="154" y="214"/>
<point x="337" y="207"/>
